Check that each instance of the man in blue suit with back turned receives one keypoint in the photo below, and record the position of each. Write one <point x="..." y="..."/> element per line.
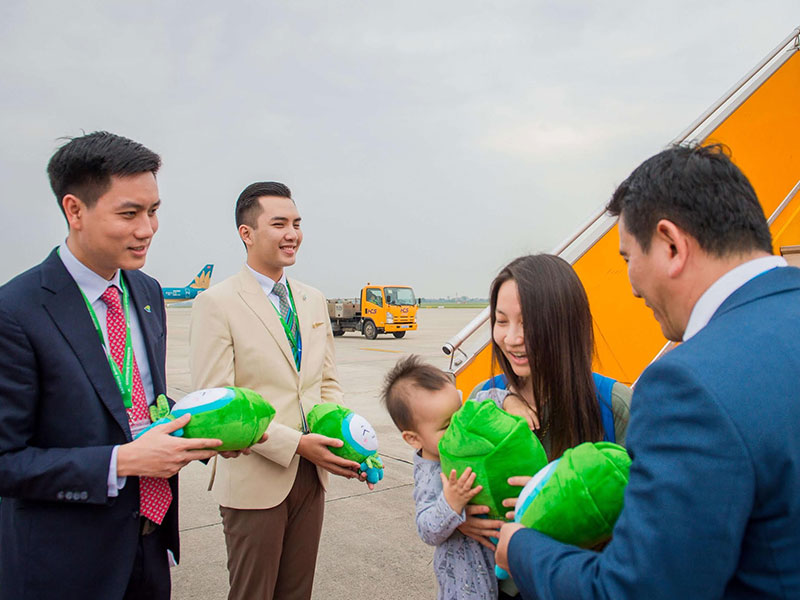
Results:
<point x="712" y="508"/>
<point x="87" y="512"/>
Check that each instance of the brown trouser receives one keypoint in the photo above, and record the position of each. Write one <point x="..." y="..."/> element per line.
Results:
<point x="272" y="552"/>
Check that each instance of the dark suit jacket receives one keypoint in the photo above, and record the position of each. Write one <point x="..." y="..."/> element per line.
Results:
<point x="712" y="509"/>
<point x="61" y="414"/>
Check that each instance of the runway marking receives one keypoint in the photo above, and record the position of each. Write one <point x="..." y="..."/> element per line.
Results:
<point x="383" y="350"/>
<point x="371" y="492"/>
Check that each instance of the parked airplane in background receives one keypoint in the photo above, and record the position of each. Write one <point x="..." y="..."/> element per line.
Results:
<point x="201" y="282"/>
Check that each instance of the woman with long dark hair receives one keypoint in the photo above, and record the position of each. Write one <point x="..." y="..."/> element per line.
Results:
<point x="543" y="341"/>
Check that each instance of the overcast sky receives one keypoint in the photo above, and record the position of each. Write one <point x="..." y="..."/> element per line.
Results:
<point x="426" y="143"/>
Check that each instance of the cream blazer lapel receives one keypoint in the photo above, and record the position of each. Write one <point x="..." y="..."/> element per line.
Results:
<point x="254" y="297"/>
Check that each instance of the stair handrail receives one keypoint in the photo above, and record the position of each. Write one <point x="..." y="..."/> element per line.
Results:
<point x="455" y="342"/>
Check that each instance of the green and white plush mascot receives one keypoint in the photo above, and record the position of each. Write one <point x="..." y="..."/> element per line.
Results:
<point x="237" y="416"/>
<point x="576" y="499"/>
<point x="360" y="440"/>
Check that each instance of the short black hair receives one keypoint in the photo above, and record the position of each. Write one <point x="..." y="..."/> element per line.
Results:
<point x="701" y="191"/>
<point x="409" y="372"/>
<point x="84" y="165"/>
<point x="248" y="208"/>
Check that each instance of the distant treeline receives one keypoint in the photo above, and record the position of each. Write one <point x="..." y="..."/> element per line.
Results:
<point x="454" y="302"/>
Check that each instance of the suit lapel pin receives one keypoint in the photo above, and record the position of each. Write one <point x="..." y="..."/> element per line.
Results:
<point x="147" y="308"/>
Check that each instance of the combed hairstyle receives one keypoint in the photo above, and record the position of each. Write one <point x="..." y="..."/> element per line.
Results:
<point x="84" y="165"/>
<point x="699" y="189"/>
<point x="409" y="372"/>
<point x="248" y="208"/>
<point x="559" y="342"/>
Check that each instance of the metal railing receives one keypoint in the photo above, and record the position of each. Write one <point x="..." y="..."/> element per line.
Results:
<point x="711" y="118"/>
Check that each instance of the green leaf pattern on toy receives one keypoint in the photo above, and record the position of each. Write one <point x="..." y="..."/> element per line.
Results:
<point x="373" y="467"/>
<point x="160" y="409"/>
<point x="496" y="445"/>
<point x="374" y="462"/>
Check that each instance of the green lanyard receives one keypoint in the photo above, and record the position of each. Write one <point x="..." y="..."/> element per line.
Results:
<point x="295" y="343"/>
<point x="124" y="382"/>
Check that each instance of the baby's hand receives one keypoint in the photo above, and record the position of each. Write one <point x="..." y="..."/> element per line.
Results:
<point x="458" y="492"/>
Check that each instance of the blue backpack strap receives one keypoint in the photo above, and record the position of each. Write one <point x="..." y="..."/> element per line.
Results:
<point x="498" y="381"/>
<point x="604" y="386"/>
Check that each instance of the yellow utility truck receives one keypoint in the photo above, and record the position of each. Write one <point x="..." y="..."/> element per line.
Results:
<point x="379" y="309"/>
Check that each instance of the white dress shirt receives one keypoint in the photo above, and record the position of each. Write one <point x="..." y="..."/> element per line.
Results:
<point x="267" y="284"/>
<point x="722" y="288"/>
<point x="93" y="285"/>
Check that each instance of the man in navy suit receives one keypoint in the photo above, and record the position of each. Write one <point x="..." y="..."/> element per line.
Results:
<point x="712" y="508"/>
<point x="87" y="512"/>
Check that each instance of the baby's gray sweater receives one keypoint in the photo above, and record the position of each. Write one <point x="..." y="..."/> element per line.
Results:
<point x="464" y="568"/>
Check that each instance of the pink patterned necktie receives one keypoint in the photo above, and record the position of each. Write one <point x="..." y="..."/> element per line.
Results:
<point x="154" y="493"/>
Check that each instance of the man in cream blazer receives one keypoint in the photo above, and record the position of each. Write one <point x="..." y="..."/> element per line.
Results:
<point x="247" y="332"/>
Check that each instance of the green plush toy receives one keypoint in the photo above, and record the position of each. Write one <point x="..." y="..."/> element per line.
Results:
<point x="237" y="416"/>
<point x="577" y="498"/>
<point x="496" y="445"/>
<point x="360" y="440"/>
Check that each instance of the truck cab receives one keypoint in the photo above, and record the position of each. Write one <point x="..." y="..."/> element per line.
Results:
<point x="388" y="309"/>
<point x="378" y="309"/>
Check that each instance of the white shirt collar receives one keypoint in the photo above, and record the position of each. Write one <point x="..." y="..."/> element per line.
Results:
<point x="722" y="288"/>
<point x="265" y="282"/>
<point x="92" y="285"/>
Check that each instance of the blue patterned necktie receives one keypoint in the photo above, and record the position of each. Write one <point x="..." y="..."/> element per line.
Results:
<point x="285" y="308"/>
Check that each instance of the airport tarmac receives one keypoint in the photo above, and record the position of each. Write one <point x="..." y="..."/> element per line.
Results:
<point x="369" y="547"/>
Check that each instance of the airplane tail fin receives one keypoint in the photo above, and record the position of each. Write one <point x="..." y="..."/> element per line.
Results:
<point x="202" y="280"/>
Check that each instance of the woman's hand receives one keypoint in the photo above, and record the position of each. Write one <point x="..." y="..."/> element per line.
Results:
<point x="514" y="405"/>
<point x="521" y="481"/>
<point x="479" y="529"/>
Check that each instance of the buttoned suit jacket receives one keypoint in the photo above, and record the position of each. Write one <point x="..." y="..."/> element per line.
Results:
<point x="237" y="339"/>
<point x="61" y="414"/>
<point x="712" y="508"/>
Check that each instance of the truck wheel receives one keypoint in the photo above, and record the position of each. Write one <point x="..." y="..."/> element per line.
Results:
<point x="398" y="334"/>
<point x="338" y="333"/>
<point x="369" y="330"/>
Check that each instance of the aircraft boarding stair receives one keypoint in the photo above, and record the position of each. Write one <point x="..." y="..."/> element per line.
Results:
<point x="758" y="119"/>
